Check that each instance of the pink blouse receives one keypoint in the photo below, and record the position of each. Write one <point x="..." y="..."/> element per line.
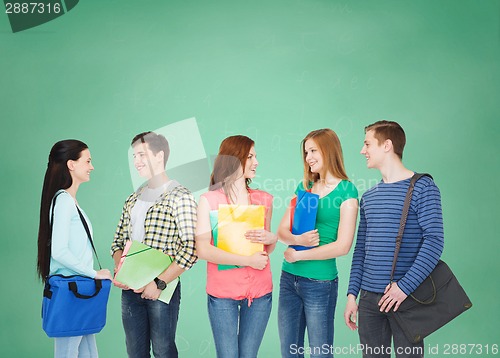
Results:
<point x="243" y="282"/>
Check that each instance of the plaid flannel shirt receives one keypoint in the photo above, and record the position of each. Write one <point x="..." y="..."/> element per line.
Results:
<point x="169" y="225"/>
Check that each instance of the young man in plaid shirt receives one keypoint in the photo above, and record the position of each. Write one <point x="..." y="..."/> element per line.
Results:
<point x="162" y="215"/>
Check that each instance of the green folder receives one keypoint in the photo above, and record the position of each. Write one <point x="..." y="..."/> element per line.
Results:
<point x="140" y="264"/>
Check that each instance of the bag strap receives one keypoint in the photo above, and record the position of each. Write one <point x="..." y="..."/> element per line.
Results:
<point x="404" y="216"/>
<point x="73" y="287"/>
<point x="84" y="222"/>
<point x="52" y="213"/>
<point x="85" y="225"/>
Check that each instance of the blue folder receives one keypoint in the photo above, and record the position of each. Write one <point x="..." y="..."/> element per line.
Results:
<point x="304" y="215"/>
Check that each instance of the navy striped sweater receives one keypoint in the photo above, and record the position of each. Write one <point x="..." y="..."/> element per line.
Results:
<point x="423" y="239"/>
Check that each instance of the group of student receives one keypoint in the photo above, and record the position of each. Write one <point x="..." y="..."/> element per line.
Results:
<point x="164" y="215"/>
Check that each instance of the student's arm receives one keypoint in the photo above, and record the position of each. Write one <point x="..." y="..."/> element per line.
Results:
<point x="351" y="310"/>
<point x="171" y="273"/>
<point x="309" y="238"/>
<point x="345" y="237"/>
<point x="358" y="256"/>
<point x="184" y="213"/>
<point x="430" y="219"/>
<point x="208" y="252"/>
<point x="121" y="234"/>
<point x="151" y="290"/>
<point x="117" y="255"/>
<point x="64" y="210"/>
<point x="265" y="237"/>
<point x="185" y="216"/>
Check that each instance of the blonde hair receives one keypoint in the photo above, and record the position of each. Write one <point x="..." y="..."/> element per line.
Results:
<point x="328" y="144"/>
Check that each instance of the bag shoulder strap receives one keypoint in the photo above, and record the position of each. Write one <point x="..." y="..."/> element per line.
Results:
<point x="404" y="216"/>
<point x="87" y="230"/>
<point x="52" y="211"/>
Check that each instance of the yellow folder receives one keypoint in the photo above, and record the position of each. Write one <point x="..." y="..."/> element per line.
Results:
<point x="233" y="222"/>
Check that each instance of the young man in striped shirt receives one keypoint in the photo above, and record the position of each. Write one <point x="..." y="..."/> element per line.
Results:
<point x="422" y="245"/>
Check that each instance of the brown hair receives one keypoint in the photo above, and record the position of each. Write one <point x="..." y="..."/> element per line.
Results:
<point x="233" y="153"/>
<point x="383" y="130"/>
<point x="329" y="145"/>
<point x="156" y="143"/>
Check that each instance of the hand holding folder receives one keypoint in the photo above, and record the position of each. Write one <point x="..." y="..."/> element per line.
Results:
<point x="304" y="209"/>
<point x="233" y="222"/>
<point x="140" y="264"/>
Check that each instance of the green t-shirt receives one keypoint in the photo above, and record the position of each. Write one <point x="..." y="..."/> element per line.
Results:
<point x="327" y="223"/>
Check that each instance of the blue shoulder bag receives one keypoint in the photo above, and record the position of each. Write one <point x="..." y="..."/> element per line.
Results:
<point x="74" y="305"/>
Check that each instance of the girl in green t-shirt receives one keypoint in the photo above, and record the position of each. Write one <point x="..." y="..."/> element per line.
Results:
<point x="309" y="283"/>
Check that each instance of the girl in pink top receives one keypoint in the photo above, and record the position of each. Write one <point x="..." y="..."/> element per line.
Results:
<point x="239" y="298"/>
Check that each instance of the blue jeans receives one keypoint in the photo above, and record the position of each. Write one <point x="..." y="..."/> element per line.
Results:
<point x="376" y="329"/>
<point x="306" y="303"/>
<point x="75" y="347"/>
<point x="238" y="329"/>
<point x="150" y="322"/>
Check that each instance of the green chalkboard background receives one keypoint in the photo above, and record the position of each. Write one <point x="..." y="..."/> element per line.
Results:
<point x="273" y="70"/>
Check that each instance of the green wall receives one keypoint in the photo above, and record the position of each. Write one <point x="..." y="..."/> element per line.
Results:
<point x="272" y="70"/>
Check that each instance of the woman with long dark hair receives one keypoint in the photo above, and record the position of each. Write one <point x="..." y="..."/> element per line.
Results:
<point x="239" y="299"/>
<point x="63" y="245"/>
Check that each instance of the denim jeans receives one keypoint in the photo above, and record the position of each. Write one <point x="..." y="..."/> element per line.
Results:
<point x="237" y="328"/>
<point x="376" y="329"/>
<point x="150" y="322"/>
<point x="75" y="347"/>
<point x="306" y="303"/>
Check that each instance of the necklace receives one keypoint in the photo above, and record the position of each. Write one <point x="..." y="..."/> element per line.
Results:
<point x="330" y="185"/>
